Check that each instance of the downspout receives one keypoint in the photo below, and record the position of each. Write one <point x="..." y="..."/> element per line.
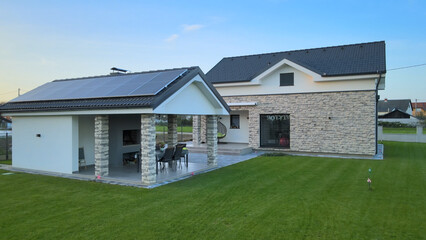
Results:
<point x="377" y="101"/>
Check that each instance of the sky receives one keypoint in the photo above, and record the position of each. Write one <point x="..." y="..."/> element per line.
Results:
<point x="41" y="41"/>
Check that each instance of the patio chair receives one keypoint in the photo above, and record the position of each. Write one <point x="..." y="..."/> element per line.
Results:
<point x="81" y="158"/>
<point x="184" y="153"/>
<point x="178" y="154"/>
<point x="167" y="157"/>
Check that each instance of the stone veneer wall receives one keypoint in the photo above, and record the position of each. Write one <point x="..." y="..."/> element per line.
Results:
<point x="101" y="145"/>
<point x="334" y="122"/>
<point x="148" y="163"/>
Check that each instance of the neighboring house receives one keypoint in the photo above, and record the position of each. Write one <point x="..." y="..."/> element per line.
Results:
<point x="313" y="100"/>
<point x="5" y="123"/>
<point x="108" y="116"/>
<point x="419" y="108"/>
<point x="395" y="114"/>
<point x="387" y="106"/>
<point x="399" y="116"/>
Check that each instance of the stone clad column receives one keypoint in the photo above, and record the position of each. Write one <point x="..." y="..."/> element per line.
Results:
<point x="172" y="137"/>
<point x="203" y="130"/>
<point x="148" y="149"/>
<point x="196" y="130"/>
<point x="101" y="145"/>
<point x="212" y="140"/>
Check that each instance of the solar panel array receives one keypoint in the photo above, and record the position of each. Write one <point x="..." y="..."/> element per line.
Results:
<point x="121" y="85"/>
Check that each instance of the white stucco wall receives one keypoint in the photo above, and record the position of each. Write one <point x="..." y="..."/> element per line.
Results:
<point x="195" y="98"/>
<point x="55" y="150"/>
<point x="303" y="83"/>
<point x="86" y="137"/>
<point x="240" y="135"/>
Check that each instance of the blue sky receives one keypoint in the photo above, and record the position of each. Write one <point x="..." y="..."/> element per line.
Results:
<point x="41" y="41"/>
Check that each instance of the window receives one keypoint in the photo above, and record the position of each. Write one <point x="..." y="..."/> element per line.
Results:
<point x="130" y="137"/>
<point x="235" y="121"/>
<point x="275" y="130"/>
<point x="287" y="79"/>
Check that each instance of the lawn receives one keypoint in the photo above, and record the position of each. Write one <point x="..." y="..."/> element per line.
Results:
<point x="399" y="130"/>
<point x="186" y="129"/>
<point x="281" y="197"/>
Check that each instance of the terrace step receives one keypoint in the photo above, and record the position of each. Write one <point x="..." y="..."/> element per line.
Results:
<point x="223" y="149"/>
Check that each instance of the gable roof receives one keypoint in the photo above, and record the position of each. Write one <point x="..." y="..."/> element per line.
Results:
<point x="396" y="113"/>
<point x="152" y="93"/>
<point x="354" y="59"/>
<point x="390" y="105"/>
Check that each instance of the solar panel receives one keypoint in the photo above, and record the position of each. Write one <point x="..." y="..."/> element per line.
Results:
<point x="123" y="85"/>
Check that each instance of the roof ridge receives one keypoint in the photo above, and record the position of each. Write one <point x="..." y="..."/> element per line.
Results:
<point x="124" y="74"/>
<point x="306" y="49"/>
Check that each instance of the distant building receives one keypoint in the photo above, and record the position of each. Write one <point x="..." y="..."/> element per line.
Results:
<point x="419" y="108"/>
<point x="387" y="106"/>
<point x="5" y="123"/>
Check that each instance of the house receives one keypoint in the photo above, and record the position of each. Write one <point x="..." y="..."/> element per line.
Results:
<point x="320" y="100"/>
<point x="419" y="108"/>
<point x="387" y="106"/>
<point x="5" y="123"/>
<point x="109" y="117"/>
<point x="398" y="116"/>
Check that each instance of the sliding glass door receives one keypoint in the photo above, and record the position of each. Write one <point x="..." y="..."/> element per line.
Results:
<point x="275" y="130"/>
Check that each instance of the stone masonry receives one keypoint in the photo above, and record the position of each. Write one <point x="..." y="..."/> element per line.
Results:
<point x="212" y="140"/>
<point x="101" y="145"/>
<point x="148" y="149"/>
<point x="203" y="127"/>
<point x="196" y="130"/>
<point x="334" y="122"/>
<point x="172" y="137"/>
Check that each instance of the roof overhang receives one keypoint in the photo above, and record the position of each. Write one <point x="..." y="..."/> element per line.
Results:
<point x="82" y="112"/>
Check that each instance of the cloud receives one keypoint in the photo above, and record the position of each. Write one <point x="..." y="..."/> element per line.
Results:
<point x="193" y="27"/>
<point x="172" y="38"/>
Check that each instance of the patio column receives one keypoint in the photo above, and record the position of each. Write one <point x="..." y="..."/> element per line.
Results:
<point x="148" y="149"/>
<point x="196" y="130"/>
<point x="212" y="140"/>
<point x="101" y="145"/>
<point x="172" y="137"/>
<point x="203" y="127"/>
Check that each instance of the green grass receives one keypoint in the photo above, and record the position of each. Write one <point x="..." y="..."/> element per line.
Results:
<point x="186" y="129"/>
<point x="277" y="197"/>
<point x="399" y="130"/>
<point x="8" y="162"/>
<point x="402" y="130"/>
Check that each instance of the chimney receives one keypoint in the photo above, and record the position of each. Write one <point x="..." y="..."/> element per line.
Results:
<point x="116" y="71"/>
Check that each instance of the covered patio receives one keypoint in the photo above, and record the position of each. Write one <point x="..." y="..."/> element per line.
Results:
<point x="110" y="150"/>
<point x="108" y="117"/>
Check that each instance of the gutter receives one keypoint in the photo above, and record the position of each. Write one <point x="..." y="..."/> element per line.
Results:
<point x="377" y="101"/>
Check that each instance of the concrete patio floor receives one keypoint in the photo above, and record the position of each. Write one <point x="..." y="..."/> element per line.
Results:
<point x="197" y="164"/>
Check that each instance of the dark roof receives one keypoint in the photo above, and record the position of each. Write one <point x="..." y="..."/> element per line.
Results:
<point x="354" y="59"/>
<point x="151" y="101"/>
<point x="396" y="113"/>
<point x="390" y="105"/>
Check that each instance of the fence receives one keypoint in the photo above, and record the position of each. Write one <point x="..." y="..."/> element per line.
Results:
<point x="5" y="145"/>
<point x="418" y="137"/>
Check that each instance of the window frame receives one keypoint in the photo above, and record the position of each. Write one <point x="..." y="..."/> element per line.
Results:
<point x="286" y="79"/>
<point x="230" y="121"/>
